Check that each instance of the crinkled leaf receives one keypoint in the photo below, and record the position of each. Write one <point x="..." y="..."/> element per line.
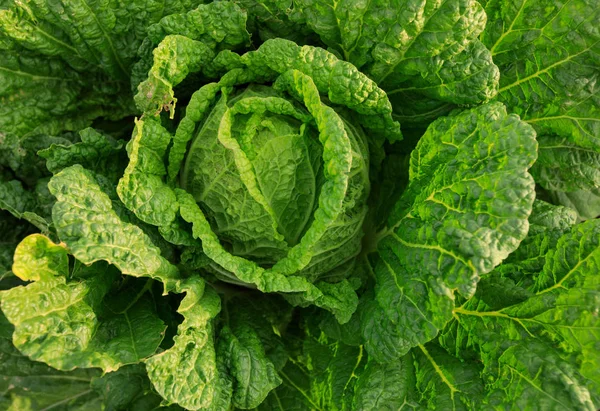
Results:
<point x="533" y="375"/>
<point x="564" y="166"/>
<point x="218" y="25"/>
<point x="423" y="47"/>
<point x="343" y="83"/>
<point x="547" y="52"/>
<point x="22" y="204"/>
<point x="141" y="188"/>
<point x="66" y="63"/>
<point x="177" y="56"/>
<point x="417" y="111"/>
<point x="14" y="231"/>
<point x="19" y="154"/>
<point x="15" y="199"/>
<point x="191" y="363"/>
<point x="128" y="388"/>
<point x="465" y="210"/>
<point x="41" y="385"/>
<point x="97" y="35"/>
<point x="174" y="58"/>
<point x="547" y="223"/>
<point x="44" y="95"/>
<point x="97" y="152"/>
<point x="188" y="373"/>
<point x="269" y="19"/>
<point x="254" y="375"/>
<point x="445" y="382"/>
<point x="64" y="324"/>
<point x="265" y="280"/>
<point x="325" y="374"/>
<point x="38" y="259"/>
<point x="86" y="221"/>
<point x="540" y="348"/>
<point x="585" y="202"/>
<point x="570" y="173"/>
<point x="251" y="345"/>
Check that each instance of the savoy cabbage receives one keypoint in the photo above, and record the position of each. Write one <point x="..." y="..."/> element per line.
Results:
<point x="299" y="205"/>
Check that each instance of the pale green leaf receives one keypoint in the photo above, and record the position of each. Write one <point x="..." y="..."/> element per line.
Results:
<point x="187" y="373"/>
<point x="63" y="324"/>
<point x="86" y="221"/>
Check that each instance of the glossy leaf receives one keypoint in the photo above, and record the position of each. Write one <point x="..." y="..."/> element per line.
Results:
<point x="464" y="211"/>
<point x="409" y="47"/>
<point x="547" y="52"/>
<point x="544" y="345"/>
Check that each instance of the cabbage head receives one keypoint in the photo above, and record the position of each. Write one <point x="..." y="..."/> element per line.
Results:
<point x="265" y="177"/>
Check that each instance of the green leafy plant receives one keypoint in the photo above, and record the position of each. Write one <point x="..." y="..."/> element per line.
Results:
<point x="301" y="205"/>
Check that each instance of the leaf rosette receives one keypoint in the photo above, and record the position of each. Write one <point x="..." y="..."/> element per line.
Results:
<point x="269" y="164"/>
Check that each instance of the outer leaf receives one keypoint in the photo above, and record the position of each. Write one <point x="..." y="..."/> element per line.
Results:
<point x="252" y="346"/>
<point x="177" y="56"/>
<point x="24" y="204"/>
<point x="446" y="382"/>
<point x="547" y="52"/>
<point x="41" y="385"/>
<point x="141" y="188"/>
<point x="342" y="82"/>
<point x="267" y="315"/>
<point x="417" y="111"/>
<point x="218" y="25"/>
<point x="324" y="374"/>
<point x="32" y="382"/>
<point x="386" y="386"/>
<point x="547" y="224"/>
<point x="29" y="88"/>
<point x="532" y="375"/>
<point x="187" y="373"/>
<point x="128" y="388"/>
<point x="427" y="47"/>
<point x="564" y="166"/>
<point x="269" y="19"/>
<point x="570" y="173"/>
<point x="468" y="77"/>
<point x="543" y="348"/>
<point x="13" y="232"/>
<point x="19" y="154"/>
<point x="96" y="151"/>
<point x="68" y="62"/>
<point x="86" y="222"/>
<point x="190" y="364"/>
<point x="254" y="374"/>
<point x="585" y="202"/>
<point x="60" y="326"/>
<point x="90" y="27"/>
<point x="174" y="58"/>
<point x="103" y="35"/>
<point x="465" y="210"/>
<point x="15" y="199"/>
<point x="39" y="259"/>
<point x="196" y="109"/>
